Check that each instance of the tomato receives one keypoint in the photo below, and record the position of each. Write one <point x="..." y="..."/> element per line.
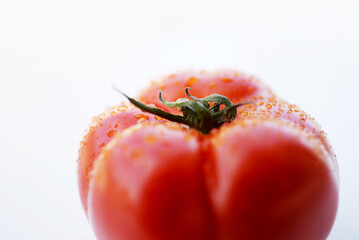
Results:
<point x="263" y="169"/>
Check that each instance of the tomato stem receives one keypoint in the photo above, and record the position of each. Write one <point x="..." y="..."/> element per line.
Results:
<point x="197" y="113"/>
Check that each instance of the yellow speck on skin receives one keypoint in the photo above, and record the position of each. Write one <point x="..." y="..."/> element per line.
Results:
<point x="136" y="153"/>
<point x="191" y="81"/>
<point x="150" y="139"/>
<point x="227" y="80"/>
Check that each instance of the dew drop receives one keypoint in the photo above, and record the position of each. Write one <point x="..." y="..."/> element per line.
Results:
<point x="141" y="116"/>
<point x="150" y="139"/>
<point x="191" y="81"/>
<point x="227" y="80"/>
<point x="122" y="108"/>
<point x="268" y="106"/>
<point x="110" y="133"/>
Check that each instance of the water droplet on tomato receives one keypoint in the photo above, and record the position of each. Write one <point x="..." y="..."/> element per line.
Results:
<point x="110" y="133"/>
<point x="122" y="108"/>
<point x="150" y="139"/>
<point x="226" y="80"/>
<point x="191" y="81"/>
<point x="212" y="86"/>
<point x="140" y="116"/>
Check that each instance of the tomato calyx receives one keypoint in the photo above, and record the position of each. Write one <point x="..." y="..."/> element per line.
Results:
<point x="203" y="114"/>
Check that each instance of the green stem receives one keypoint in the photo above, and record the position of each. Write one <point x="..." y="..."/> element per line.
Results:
<point x="197" y="113"/>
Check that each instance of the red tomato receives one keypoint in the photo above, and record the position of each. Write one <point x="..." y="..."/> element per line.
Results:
<point x="270" y="173"/>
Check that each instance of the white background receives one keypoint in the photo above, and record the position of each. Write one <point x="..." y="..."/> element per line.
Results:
<point x="58" y="60"/>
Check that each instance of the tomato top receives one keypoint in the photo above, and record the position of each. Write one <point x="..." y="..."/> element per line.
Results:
<point x="236" y="86"/>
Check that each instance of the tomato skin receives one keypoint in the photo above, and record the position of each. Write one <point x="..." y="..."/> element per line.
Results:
<point x="138" y="191"/>
<point x="277" y="189"/>
<point x="269" y="174"/>
<point x="100" y="132"/>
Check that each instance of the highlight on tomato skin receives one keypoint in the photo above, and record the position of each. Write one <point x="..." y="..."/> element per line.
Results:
<point x="270" y="173"/>
<point x="99" y="133"/>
